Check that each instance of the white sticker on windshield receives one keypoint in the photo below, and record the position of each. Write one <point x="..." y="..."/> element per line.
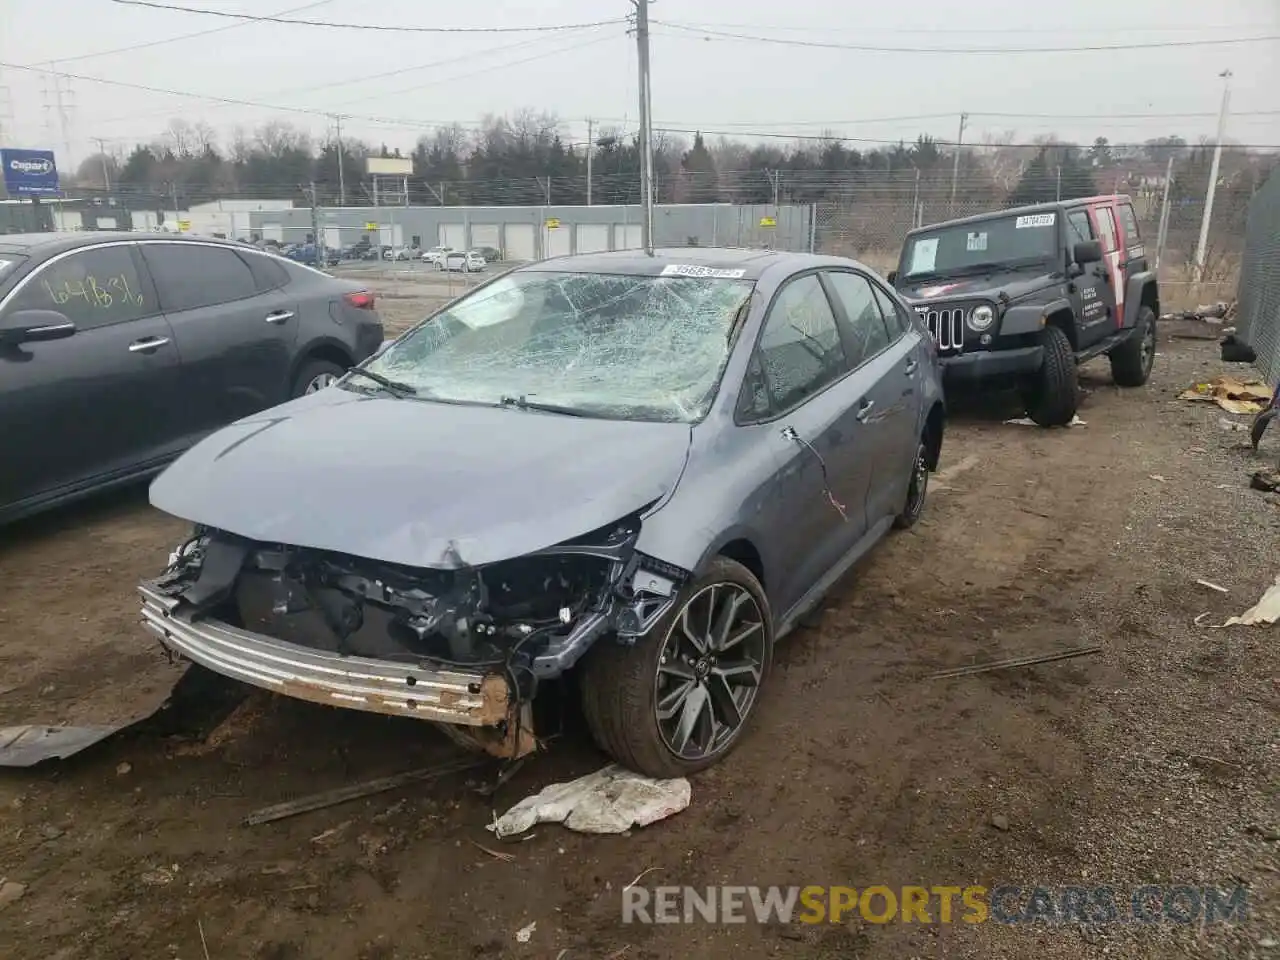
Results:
<point x="924" y="255"/>
<point x="976" y="241"/>
<point x="1035" y="220"/>
<point x="693" y="270"/>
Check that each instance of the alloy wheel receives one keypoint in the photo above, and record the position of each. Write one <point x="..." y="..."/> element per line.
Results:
<point x="1148" y="346"/>
<point x="709" y="671"/>
<point x="319" y="382"/>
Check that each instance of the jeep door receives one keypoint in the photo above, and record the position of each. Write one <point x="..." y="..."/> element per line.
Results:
<point x="1092" y="300"/>
<point x="884" y="353"/>
<point x="1103" y="217"/>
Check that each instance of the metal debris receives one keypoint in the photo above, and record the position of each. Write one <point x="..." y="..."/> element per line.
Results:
<point x="1010" y="662"/>
<point x="331" y="798"/>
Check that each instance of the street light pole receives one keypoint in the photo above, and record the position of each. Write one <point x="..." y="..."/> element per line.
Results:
<point x="646" y="132"/>
<point x="1213" y="174"/>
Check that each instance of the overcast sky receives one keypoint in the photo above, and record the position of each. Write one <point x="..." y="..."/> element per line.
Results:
<point x="392" y="86"/>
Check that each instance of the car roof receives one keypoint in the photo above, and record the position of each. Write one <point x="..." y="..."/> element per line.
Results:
<point x="1053" y="205"/>
<point x="753" y="263"/>
<point x="52" y="243"/>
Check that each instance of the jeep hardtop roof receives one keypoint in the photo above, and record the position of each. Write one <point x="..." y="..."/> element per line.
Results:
<point x="1055" y="205"/>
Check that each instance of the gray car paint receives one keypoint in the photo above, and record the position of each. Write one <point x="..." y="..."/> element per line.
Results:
<point x="400" y="480"/>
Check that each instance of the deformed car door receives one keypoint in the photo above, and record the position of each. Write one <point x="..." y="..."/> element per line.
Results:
<point x="795" y="382"/>
<point x="99" y="403"/>
<point x="236" y="340"/>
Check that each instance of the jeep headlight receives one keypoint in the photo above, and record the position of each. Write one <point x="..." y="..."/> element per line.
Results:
<point x="981" y="317"/>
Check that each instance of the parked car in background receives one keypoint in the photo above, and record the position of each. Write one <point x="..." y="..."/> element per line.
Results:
<point x="469" y="262"/>
<point x="1021" y="297"/>
<point x="118" y="354"/>
<point x="644" y="469"/>
<point x="404" y="253"/>
<point x="435" y="254"/>
<point x="490" y="254"/>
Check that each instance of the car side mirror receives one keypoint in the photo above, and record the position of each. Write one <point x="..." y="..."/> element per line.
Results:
<point x="893" y="277"/>
<point x="1087" y="251"/>
<point x="35" y="326"/>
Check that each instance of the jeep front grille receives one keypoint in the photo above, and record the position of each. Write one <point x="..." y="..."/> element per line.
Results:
<point x="946" y="326"/>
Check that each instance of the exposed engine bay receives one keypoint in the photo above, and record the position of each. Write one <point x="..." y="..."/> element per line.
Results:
<point x="524" y="619"/>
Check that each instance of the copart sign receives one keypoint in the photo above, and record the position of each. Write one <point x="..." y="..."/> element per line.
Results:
<point x="30" y="173"/>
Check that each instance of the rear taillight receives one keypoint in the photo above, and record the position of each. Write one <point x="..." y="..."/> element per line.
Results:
<point x="361" y="299"/>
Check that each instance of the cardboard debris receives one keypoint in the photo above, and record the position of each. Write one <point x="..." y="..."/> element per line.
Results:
<point x="1265" y="611"/>
<point x="1232" y="394"/>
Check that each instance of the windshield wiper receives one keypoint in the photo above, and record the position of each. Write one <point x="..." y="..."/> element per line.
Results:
<point x="524" y="403"/>
<point x="395" y="386"/>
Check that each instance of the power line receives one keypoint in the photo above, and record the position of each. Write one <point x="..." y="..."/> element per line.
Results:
<point x="986" y="31"/>
<point x="179" y="39"/>
<point x="870" y="48"/>
<point x="384" y="28"/>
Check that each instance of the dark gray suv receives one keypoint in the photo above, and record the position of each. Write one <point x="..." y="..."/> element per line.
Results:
<point x="119" y="351"/>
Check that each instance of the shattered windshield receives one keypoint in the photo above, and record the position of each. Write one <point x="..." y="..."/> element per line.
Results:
<point x="615" y="346"/>
<point x="996" y="242"/>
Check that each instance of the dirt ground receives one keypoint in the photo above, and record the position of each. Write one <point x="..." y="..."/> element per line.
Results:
<point x="1154" y="761"/>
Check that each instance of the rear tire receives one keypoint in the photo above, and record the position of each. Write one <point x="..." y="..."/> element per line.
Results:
<point x="917" y="491"/>
<point x="707" y="693"/>
<point x="1052" y="397"/>
<point x="1131" y="362"/>
<point x="315" y="375"/>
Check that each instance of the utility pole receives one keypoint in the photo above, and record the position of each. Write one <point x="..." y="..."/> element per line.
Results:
<point x="102" y="154"/>
<point x="317" y="239"/>
<point x="591" y="149"/>
<point x="646" y="130"/>
<point x="1058" y="189"/>
<point x="1162" y="232"/>
<point x="173" y="197"/>
<point x="342" y="178"/>
<point x="1213" y="174"/>
<point x="955" y="163"/>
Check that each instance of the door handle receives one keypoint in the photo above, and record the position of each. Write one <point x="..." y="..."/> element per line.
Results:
<point x="864" y="410"/>
<point x="150" y="345"/>
<point x="279" y="316"/>
<point x="911" y="366"/>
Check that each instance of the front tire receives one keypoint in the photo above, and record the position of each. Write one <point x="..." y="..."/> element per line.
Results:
<point x="1051" y="398"/>
<point x="1131" y="362"/>
<point x="678" y="699"/>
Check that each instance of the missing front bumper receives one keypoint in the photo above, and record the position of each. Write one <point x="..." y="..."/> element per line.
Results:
<point x="463" y="697"/>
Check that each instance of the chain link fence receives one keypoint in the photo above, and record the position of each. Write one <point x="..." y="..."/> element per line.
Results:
<point x="1258" y="317"/>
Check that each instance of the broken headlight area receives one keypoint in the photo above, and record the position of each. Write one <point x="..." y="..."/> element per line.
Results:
<point x="464" y="646"/>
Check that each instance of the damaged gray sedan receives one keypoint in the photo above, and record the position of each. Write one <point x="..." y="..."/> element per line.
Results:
<point x="638" y="471"/>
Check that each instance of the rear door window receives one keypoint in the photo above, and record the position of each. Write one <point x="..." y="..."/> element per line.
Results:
<point x="1106" y="228"/>
<point x="91" y="288"/>
<point x="895" y="317"/>
<point x="866" y="323"/>
<point x="1130" y="224"/>
<point x="268" y="274"/>
<point x="192" y="275"/>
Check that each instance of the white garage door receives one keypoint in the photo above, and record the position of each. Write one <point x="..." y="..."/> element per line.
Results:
<point x="454" y="235"/>
<point x="593" y="237"/>
<point x="519" y="241"/>
<point x="486" y="235"/>
<point x="627" y="236"/>
<point x="333" y="237"/>
<point x="557" y="242"/>
<point x="273" y="231"/>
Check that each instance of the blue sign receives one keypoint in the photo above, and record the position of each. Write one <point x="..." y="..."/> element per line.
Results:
<point x="30" y="173"/>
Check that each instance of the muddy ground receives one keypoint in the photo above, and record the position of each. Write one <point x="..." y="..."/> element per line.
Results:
<point x="1152" y="761"/>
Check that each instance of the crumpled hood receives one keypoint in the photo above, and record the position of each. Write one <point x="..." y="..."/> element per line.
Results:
<point x="419" y="483"/>
<point x="1013" y="283"/>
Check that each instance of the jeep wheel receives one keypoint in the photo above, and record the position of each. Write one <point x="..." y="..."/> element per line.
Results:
<point x="1051" y="397"/>
<point x="1131" y="362"/>
<point x="677" y="699"/>
<point x="917" y="491"/>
